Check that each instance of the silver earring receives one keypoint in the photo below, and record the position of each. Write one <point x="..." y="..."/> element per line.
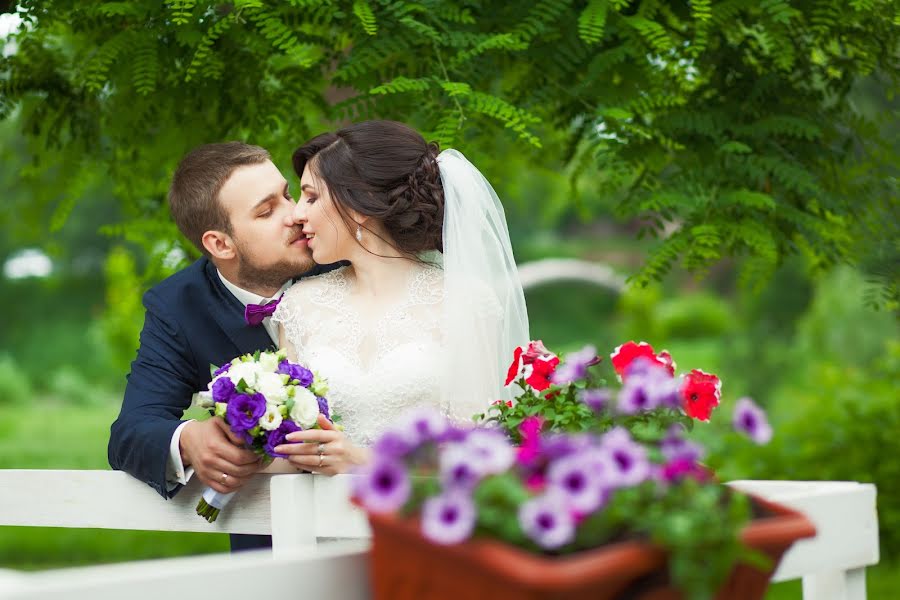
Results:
<point x="358" y="233"/>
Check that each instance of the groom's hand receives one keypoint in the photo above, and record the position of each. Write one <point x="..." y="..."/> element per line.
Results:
<point x="216" y="452"/>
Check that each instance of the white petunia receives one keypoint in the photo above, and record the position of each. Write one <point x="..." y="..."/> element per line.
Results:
<point x="271" y="419"/>
<point x="305" y="411"/>
<point x="271" y="385"/>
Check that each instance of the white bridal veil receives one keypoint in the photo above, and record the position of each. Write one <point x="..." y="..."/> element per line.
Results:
<point x="484" y="305"/>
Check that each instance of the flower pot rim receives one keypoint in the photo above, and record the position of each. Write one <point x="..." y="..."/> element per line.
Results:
<point x="619" y="561"/>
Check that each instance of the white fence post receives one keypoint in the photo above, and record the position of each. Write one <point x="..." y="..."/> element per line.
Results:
<point x="833" y="563"/>
<point x="293" y="514"/>
<point x="836" y="585"/>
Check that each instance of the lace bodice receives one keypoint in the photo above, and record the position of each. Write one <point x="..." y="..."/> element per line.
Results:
<point x="378" y="362"/>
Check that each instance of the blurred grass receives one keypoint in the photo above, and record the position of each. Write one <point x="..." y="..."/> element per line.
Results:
<point x="75" y="438"/>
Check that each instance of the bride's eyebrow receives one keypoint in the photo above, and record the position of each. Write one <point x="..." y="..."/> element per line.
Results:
<point x="307" y="188"/>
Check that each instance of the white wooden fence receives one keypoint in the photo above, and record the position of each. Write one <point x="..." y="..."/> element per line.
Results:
<point x="320" y="539"/>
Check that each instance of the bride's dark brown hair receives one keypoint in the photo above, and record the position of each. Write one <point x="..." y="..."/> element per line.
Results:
<point x="385" y="170"/>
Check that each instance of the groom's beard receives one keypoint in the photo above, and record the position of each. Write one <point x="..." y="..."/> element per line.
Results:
<point x="251" y="274"/>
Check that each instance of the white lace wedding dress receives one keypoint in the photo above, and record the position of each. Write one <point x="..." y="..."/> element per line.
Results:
<point x="377" y="364"/>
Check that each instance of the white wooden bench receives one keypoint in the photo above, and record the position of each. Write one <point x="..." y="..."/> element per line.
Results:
<point x="302" y="511"/>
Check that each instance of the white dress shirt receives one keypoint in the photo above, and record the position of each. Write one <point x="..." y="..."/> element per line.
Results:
<point x="175" y="471"/>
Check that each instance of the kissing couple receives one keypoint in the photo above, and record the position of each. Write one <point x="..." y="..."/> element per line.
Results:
<point x="391" y="274"/>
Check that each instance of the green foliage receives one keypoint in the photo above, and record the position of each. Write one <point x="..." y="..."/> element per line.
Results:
<point x="729" y="128"/>
<point x="16" y="384"/>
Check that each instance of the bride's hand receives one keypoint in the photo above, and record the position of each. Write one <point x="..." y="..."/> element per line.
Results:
<point x="326" y="450"/>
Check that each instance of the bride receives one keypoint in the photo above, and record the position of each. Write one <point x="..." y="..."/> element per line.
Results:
<point x="430" y="309"/>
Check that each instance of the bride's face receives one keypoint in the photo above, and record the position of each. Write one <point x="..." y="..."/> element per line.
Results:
<point x="330" y="239"/>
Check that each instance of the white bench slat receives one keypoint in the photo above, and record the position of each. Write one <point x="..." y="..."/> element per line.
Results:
<point x="331" y="574"/>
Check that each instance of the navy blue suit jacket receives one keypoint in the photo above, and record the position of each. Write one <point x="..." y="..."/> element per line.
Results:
<point x="192" y="321"/>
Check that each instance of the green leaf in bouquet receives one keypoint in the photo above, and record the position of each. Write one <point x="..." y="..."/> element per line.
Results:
<point x="212" y="369"/>
<point x="195" y="413"/>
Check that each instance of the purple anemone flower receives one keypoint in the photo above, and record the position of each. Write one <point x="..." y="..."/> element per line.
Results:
<point x="384" y="486"/>
<point x="646" y="388"/>
<point x="278" y="436"/>
<point x="575" y="366"/>
<point x="298" y="372"/>
<point x="323" y="407"/>
<point x="577" y="482"/>
<point x="596" y="399"/>
<point x="244" y="411"/>
<point x="628" y="458"/>
<point x="546" y="521"/>
<point x="223" y="369"/>
<point x="449" y="518"/>
<point x="222" y="389"/>
<point x="751" y="420"/>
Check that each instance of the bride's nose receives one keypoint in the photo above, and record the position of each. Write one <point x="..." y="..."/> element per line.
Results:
<point x="298" y="215"/>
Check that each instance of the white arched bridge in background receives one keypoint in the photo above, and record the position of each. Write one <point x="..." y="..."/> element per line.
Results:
<point x="553" y="270"/>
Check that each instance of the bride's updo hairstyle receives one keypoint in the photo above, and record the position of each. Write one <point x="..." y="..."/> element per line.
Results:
<point x="385" y="170"/>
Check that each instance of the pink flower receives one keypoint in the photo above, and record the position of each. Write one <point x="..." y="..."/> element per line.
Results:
<point x="530" y="448"/>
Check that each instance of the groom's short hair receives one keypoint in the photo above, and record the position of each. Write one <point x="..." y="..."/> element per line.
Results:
<point x="194" y="193"/>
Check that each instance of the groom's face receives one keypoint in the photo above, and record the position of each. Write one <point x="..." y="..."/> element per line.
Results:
<point x="270" y="248"/>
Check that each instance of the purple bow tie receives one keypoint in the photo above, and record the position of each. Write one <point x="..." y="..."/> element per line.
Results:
<point x="255" y="313"/>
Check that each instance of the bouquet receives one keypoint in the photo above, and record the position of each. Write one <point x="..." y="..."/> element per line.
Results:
<point x="263" y="397"/>
<point x="572" y="464"/>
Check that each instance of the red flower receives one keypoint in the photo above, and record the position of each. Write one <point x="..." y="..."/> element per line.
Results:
<point x="701" y="393"/>
<point x="515" y="366"/>
<point x="508" y="403"/>
<point x="541" y="370"/>
<point x="533" y="362"/>
<point x="628" y="352"/>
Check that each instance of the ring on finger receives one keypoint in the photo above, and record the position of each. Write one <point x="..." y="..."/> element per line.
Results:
<point x="321" y="459"/>
<point x="321" y="449"/>
<point x="224" y="477"/>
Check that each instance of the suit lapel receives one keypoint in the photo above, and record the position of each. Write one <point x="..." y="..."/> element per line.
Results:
<point x="229" y="314"/>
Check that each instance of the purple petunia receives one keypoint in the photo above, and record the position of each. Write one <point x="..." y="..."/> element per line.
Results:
<point x="575" y="366"/>
<point x="423" y="424"/>
<point x="222" y="389"/>
<point x="383" y="486"/>
<point x="490" y="450"/>
<point x="448" y="518"/>
<point x="751" y="420"/>
<point x="647" y="387"/>
<point x="458" y="470"/>
<point x="278" y="436"/>
<point x="546" y="521"/>
<point x="577" y="482"/>
<point x="295" y="371"/>
<point x="675" y="447"/>
<point x="244" y="411"/>
<point x="628" y="458"/>
<point x="596" y="399"/>
<point x="392" y="444"/>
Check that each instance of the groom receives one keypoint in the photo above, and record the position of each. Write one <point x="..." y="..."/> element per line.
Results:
<point x="234" y="205"/>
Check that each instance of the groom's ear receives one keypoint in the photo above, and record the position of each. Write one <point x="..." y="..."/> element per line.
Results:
<point x="219" y="245"/>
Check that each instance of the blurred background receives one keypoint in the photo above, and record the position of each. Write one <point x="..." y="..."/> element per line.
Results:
<point x="734" y="162"/>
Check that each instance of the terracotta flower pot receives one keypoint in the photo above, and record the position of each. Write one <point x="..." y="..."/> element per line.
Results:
<point x="406" y="566"/>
